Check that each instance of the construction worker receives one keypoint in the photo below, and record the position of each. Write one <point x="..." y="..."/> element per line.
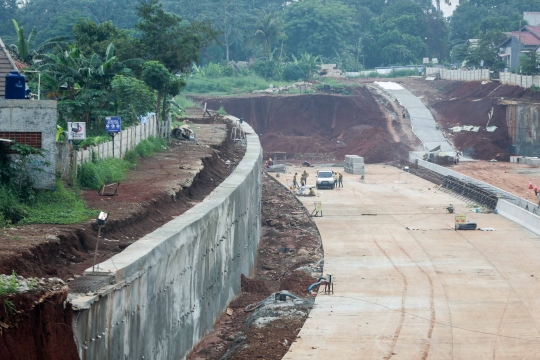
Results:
<point x="294" y="182"/>
<point x="311" y="192"/>
<point x="303" y="178"/>
<point x="270" y="162"/>
<point x="340" y="179"/>
<point x="335" y="178"/>
<point x="437" y="125"/>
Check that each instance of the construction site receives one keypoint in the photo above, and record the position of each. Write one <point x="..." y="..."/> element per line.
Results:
<point x="215" y="250"/>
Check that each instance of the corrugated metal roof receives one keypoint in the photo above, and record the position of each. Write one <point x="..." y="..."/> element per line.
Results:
<point x="6" y="65"/>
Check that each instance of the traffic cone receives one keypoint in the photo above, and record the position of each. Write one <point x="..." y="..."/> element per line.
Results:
<point x="530" y="185"/>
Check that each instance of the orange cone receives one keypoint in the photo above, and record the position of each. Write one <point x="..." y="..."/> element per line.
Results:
<point x="530" y="185"/>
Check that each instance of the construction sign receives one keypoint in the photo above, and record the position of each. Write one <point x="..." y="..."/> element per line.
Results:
<point x="461" y="219"/>
<point x="318" y="206"/>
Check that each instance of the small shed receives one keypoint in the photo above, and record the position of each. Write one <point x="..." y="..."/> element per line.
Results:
<point x="6" y="66"/>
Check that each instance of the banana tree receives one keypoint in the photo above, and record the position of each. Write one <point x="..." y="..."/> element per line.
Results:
<point x="25" y="49"/>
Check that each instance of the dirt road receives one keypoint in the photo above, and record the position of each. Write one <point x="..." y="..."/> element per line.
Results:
<point x="511" y="177"/>
<point x="407" y="286"/>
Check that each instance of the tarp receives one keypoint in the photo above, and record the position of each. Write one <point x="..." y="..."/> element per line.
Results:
<point x="276" y="168"/>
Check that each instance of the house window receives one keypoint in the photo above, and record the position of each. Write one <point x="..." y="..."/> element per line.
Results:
<point x="32" y="139"/>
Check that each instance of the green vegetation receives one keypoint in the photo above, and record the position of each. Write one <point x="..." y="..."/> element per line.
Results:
<point x="229" y="85"/>
<point x="8" y="286"/>
<point x="93" y="174"/>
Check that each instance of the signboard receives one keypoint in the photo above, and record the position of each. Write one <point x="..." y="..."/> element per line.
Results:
<point x="425" y="61"/>
<point x="435" y="60"/>
<point x="112" y="124"/>
<point x="76" y="130"/>
<point x="318" y="206"/>
<point x="461" y="219"/>
<point x="481" y="62"/>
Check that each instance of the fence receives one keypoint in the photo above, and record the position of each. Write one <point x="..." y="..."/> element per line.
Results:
<point x="525" y="81"/>
<point x="459" y="75"/>
<point x="126" y="140"/>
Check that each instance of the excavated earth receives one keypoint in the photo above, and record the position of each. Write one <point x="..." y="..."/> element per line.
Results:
<point x="323" y="127"/>
<point x="455" y="103"/>
<point x="290" y="257"/>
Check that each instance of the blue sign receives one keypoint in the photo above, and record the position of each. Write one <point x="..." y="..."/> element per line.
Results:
<point x="112" y="124"/>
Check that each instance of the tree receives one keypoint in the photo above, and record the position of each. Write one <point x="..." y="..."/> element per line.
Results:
<point x="487" y="49"/>
<point x="318" y="27"/>
<point x="96" y="38"/>
<point x="156" y="75"/>
<point x="529" y="63"/>
<point x="268" y="30"/>
<point x="165" y="38"/>
<point x="25" y="50"/>
<point x="132" y="98"/>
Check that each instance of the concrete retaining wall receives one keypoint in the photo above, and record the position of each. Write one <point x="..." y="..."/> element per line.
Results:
<point x="520" y="216"/>
<point x="170" y="286"/>
<point x="459" y="75"/>
<point x="503" y="195"/>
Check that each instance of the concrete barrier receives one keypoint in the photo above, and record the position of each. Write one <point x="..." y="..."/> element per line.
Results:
<point x="501" y="194"/>
<point x="520" y="216"/>
<point x="168" y="288"/>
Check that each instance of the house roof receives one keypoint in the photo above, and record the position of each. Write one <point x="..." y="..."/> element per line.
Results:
<point x="527" y="38"/>
<point x="6" y="66"/>
<point x="535" y="30"/>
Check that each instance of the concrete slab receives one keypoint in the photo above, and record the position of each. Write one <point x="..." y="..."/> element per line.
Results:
<point x="422" y="120"/>
<point x="431" y="293"/>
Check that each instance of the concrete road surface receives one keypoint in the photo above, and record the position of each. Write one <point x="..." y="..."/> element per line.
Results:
<point x="422" y="121"/>
<point x="427" y="293"/>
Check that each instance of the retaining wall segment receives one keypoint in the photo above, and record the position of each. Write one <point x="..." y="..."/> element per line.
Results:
<point x="171" y="286"/>
<point x="510" y="206"/>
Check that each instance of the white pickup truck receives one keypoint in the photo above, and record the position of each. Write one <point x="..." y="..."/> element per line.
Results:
<point x="325" y="179"/>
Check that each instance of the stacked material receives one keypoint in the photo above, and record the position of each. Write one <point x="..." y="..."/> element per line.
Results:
<point x="354" y="164"/>
<point x="328" y="71"/>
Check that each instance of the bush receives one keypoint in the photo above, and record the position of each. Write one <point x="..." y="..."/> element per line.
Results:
<point x="292" y="72"/>
<point x="265" y="68"/>
<point x="145" y="148"/>
<point x="11" y="209"/>
<point x="93" y="175"/>
<point x="131" y="157"/>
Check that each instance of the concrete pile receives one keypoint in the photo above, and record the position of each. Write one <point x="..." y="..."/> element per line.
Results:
<point x="283" y="89"/>
<point x="354" y="164"/>
<point x="329" y="71"/>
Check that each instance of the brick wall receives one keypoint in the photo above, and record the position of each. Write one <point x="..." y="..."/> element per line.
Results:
<point x="32" y="139"/>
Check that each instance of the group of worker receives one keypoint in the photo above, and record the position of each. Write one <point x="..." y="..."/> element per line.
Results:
<point x="303" y="179"/>
<point x="338" y="179"/>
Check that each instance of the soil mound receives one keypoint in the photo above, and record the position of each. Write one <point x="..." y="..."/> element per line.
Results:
<point x="253" y="285"/>
<point x="317" y="127"/>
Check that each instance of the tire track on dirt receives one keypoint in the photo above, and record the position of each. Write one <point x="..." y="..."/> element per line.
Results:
<point x="425" y="353"/>
<point x="403" y="301"/>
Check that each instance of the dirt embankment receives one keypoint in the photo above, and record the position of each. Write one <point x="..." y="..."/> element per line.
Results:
<point x="455" y="103"/>
<point x="157" y="190"/>
<point x="319" y="127"/>
<point x="289" y="258"/>
<point x="38" y="327"/>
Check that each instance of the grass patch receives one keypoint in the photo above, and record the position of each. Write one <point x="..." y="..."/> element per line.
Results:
<point x="92" y="175"/>
<point x="185" y="102"/>
<point x="95" y="140"/>
<point x="58" y="206"/>
<point x="229" y="85"/>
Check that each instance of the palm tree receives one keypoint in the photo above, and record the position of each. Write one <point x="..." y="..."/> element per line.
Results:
<point x="25" y="51"/>
<point x="268" y="30"/>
